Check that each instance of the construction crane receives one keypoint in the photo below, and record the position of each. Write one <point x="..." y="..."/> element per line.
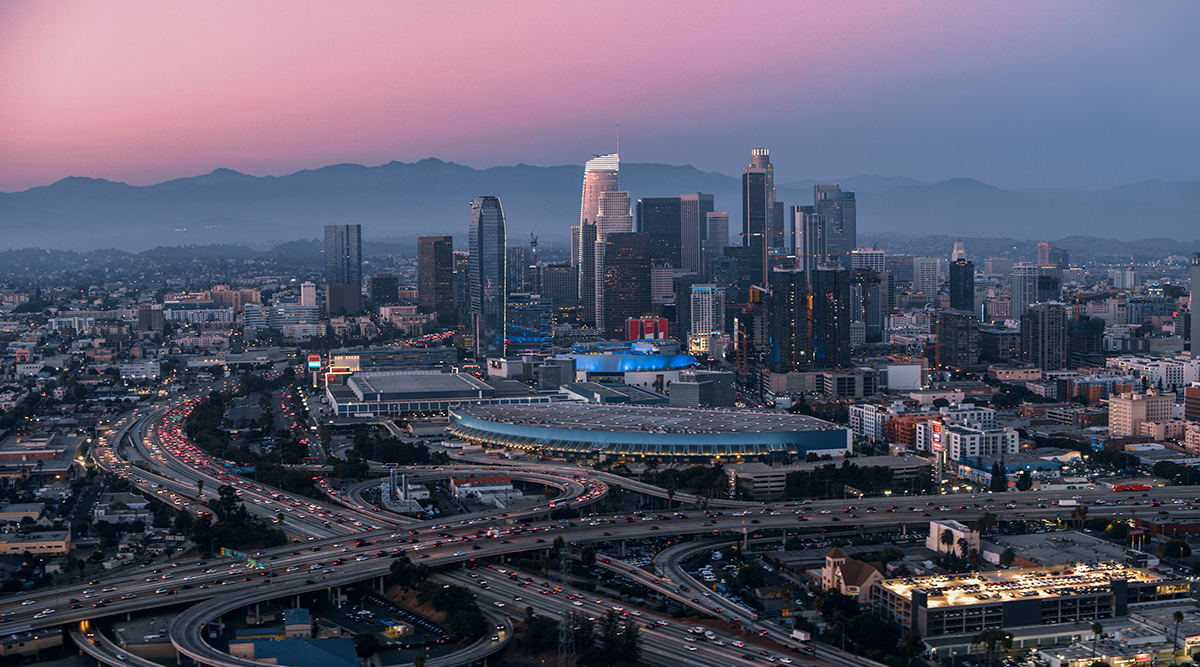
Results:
<point x="533" y="236"/>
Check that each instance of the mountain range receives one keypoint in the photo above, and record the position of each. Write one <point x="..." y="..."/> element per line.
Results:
<point x="402" y="200"/>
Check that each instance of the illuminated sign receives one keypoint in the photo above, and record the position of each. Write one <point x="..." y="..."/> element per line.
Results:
<point x="937" y="436"/>
<point x="314" y="361"/>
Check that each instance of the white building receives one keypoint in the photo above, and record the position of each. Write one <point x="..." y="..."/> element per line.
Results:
<point x="1127" y="411"/>
<point x="140" y="370"/>
<point x="1164" y="374"/>
<point x="486" y="490"/>
<point x="958" y="531"/>
<point x="926" y="278"/>
<point x="708" y="309"/>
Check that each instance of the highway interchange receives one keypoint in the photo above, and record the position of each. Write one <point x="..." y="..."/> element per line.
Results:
<point x="343" y="542"/>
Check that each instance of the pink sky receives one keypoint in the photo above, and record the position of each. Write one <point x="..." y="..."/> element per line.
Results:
<point x="146" y="91"/>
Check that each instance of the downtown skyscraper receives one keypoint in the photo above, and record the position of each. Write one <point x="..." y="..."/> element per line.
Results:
<point x="758" y="209"/>
<point x="343" y="269"/>
<point x="841" y="221"/>
<point x="487" y="276"/>
<point x="435" y="276"/>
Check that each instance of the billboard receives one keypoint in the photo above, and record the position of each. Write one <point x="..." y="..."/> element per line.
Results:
<point x="314" y="361"/>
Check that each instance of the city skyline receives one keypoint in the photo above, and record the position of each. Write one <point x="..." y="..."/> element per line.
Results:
<point x="146" y="93"/>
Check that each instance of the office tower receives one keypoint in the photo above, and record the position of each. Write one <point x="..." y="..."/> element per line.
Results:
<point x="867" y="302"/>
<point x="517" y="266"/>
<point x="1043" y="249"/>
<point x="343" y="269"/>
<point x="1044" y="336"/>
<point x="758" y="207"/>
<point x="626" y="280"/>
<point x="957" y="339"/>
<point x="830" y="289"/>
<point x="588" y="271"/>
<point x="659" y="217"/>
<point x="962" y="285"/>
<point x="1049" y="288"/>
<point x="556" y="371"/>
<point x="790" y="347"/>
<point x="600" y="174"/>
<point x="385" y="289"/>
<point x="996" y="266"/>
<point x="487" y="276"/>
<point x="959" y="252"/>
<point x="308" y="294"/>
<point x="747" y="271"/>
<point x="435" y="277"/>
<point x="614" y="217"/>
<point x="868" y="258"/>
<point x="528" y="324"/>
<point x="462" y="297"/>
<point x="560" y="282"/>
<point x="693" y="230"/>
<point x="1022" y="287"/>
<point x="662" y="282"/>
<point x="1085" y="340"/>
<point x="343" y="254"/>
<point x="716" y="239"/>
<point x="808" y="238"/>
<point x="1195" y="304"/>
<point x="707" y="309"/>
<point x="841" y="221"/>
<point x="901" y="267"/>
<point x="777" y="236"/>
<point x="925" y="275"/>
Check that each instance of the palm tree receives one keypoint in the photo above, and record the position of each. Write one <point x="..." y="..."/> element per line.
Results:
<point x="947" y="539"/>
<point x="992" y="640"/>
<point x="1178" y="618"/>
<point x="1080" y="514"/>
<point x="1008" y="557"/>
<point x="963" y="545"/>
<point x="1096" y="630"/>
<point x="985" y="523"/>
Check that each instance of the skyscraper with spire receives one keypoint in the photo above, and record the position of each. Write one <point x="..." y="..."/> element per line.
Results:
<point x="601" y="174"/>
<point x="604" y="209"/>
<point x="960" y="251"/>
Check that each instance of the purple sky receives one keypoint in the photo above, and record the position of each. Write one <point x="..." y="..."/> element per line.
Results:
<point x="1018" y="94"/>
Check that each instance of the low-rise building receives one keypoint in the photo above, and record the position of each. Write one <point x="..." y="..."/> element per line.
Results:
<point x="848" y="576"/>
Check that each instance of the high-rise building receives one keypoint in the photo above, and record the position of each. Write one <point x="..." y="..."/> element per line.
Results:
<point x="614" y="217"/>
<point x="758" y="207"/>
<point x="385" y="289"/>
<point x="693" y="230"/>
<point x="683" y="304"/>
<point x="590" y="276"/>
<point x="957" y="339"/>
<point x="925" y="275"/>
<point x="777" y="236"/>
<point x="867" y="302"/>
<point x="487" y="280"/>
<point x="560" y="282"/>
<point x="1023" y="286"/>
<point x="462" y="297"/>
<point x="791" y="341"/>
<point x="830" y="289"/>
<point x="662" y="283"/>
<point x="1127" y="411"/>
<point x="308" y="294"/>
<point x="600" y="174"/>
<point x="518" y="267"/>
<point x="1044" y="336"/>
<point x="435" y="277"/>
<point x="1085" y="340"/>
<point x="808" y="238"/>
<point x="716" y="239"/>
<point x="962" y="285"/>
<point x="1195" y="305"/>
<point x="343" y="269"/>
<point x="626" y="280"/>
<point x="343" y="254"/>
<point x="868" y="258"/>
<point x="841" y="220"/>
<point x="959" y="252"/>
<point x="707" y="309"/>
<point x="659" y="217"/>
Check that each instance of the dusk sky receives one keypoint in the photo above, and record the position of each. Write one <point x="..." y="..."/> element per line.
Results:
<point x="1016" y="94"/>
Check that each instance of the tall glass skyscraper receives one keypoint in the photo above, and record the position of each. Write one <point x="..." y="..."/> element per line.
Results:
<point x="343" y="254"/>
<point x="841" y="221"/>
<point x="693" y="230"/>
<point x="962" y="285"/>
<point x="758" y="209"/>
<point x="601" y="174"/>
<point x="435" y="276"/>
<point x="487" y="282"/>
<point x="626" y="281"/>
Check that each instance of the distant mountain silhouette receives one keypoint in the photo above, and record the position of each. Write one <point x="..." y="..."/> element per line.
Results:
<point x="401" y="200"/>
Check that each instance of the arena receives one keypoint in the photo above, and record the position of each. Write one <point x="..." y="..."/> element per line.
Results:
<point x="633" y="433"/>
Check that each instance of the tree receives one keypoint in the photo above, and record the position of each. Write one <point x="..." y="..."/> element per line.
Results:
<point x="1080" y="514"/>
<point x="911" y="646"/>
<point x="985" y="523"/>
<point x="1024" y="481"/>
<point x="999" y="483"/>
<point x="366" y="644"/>
<point x="993" y="640"/>
<point x="963" y="546"/>
<point x="1097" y="629"/>
<point x="1178" y="618"/>
<point x="419" y="661"/>
<point x="1174" y="548"/>
<point x="1007" y="557"/>
<point x="947" y="540"/>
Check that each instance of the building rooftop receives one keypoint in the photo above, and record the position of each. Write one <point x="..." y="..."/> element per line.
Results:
<point x="1030" y="583"/>
<point x="1062" y="547"/>
<point x="385" y="386"/>
<point x="633" y="418"/>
